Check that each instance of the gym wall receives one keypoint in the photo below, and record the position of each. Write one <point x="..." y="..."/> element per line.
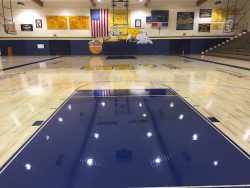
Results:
<point x="28" y="16"/>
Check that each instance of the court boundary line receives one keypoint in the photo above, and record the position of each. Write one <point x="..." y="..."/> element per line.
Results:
<point x="13" y="157"/>
<point x="214" y="62"/>
<point x="31" y="63"/>
<point x="213" y="126"/>
<point x="23" y="146"/>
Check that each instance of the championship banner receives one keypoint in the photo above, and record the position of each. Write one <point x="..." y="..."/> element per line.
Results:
<point x="57" y="22"/>
<point x="79" y="22"/>
<point x="217" y="26"/>
<point x="205" y="13"/>
<point x="204" y="27"/>
<point x="219" y="15"/>
<point x="185" y="21"/>
<point x="134" y="31"/>
<point x="121" y="18"/>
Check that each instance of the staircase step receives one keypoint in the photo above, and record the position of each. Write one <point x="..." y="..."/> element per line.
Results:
<point x="241" y="57"/>
<point x="230" y="52"/>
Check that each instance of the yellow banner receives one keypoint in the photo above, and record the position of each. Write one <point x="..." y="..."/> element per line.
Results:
<point x="57" y="22"/>
<point x="79" y="22"/>
<point x="217" y="26"/>
<point x="121" y="18"/>
<point x="219" y="15"/>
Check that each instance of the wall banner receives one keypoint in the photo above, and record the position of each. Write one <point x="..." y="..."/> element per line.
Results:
<point x="219" y="15"/>
<point x="57" y="22"/>
<point x="185" y="21"/>
<point x="217" y="26"/>
<point x="79" y="22"/>
<point x="205" y="13"/>
<point x="204" y="27"/>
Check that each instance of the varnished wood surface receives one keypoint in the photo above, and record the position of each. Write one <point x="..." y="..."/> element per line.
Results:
<point x="34" y="92"/>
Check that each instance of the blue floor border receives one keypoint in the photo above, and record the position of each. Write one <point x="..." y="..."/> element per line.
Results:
<point x="212" y="124"/>
<point x="2" y="168"/>
<point x="31" y="63"/>
<point x="34" y="134"/>
<point x="207" y="61"/>
<point x="174" y="92"/>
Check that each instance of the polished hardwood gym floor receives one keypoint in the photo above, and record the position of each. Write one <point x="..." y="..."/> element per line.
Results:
<point x="32" y="93"/>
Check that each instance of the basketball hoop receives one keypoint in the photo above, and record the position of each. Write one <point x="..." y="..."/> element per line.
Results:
<point x="10" y="28"/>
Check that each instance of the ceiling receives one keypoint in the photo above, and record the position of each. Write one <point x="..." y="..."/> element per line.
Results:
<point x="107" y="3"/>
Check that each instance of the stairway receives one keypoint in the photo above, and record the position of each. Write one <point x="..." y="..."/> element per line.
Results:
<point x="238" y="47"/>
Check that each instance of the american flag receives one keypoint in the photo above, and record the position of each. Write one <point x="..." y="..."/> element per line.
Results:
<point x="99" y="22"/>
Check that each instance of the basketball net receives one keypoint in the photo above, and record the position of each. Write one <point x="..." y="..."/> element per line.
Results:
<point x="10" y="28"/>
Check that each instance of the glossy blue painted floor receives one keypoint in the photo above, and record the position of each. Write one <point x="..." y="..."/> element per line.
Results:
<point x="127" y="138"/>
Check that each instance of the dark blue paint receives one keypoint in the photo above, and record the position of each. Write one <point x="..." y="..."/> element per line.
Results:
<point x="213" y="119"/>
<point x="25" y="47"/>
<point x="214" y="62"/>
<point x="27" y="64"/>
<point x="37" y="123"/>
<point x="80" y="47"/>
<point x="131" y="140"/>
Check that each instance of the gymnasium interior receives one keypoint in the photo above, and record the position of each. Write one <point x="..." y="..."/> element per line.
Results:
<point x="124" y="93"/>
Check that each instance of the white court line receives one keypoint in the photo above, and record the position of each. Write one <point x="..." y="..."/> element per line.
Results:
<point x="177" y="95"/>
<point x="229" y="140"/>
<point x="30" y="139"/>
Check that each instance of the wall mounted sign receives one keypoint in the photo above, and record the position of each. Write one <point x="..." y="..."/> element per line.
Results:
<point x="39" y="23"/>
<point x="155" y="24"/>
<point x="164" y="24"/>
<point x="138" y="23"/>
<point x="121" y="21"/>
<point x="219" y="15"/>
<point x="26" y="27"/>
<point x="205" y="27"/>
<point x="217" y="26"/>
<point x="229" y="26"/>
<point x="79" y="22"/>
<point x="40" y="46"/>
<point x="96" y="46"/>
<point x="205" y="13"/>
<point x="57" y="22"/>
<point x="160" y="15"/>
<point x="149" y="19"/>
<point x="185" y="21"/>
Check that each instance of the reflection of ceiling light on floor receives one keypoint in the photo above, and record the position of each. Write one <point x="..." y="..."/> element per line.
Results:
<point x="171" y="104"/>
<point x="96" y="135"/>
<point x="28" y="166"/>
<point x="246" y="135"/>
<point x="149" y="134"/>
<point x="47" y="137"/>
<point x="60" y="119"/>
<point x="181" y="117"/>
<point x="195" y="137"/>
<point x="157" y="160"/>
<point x="144" y="115"/>
<point x="90" y="162"/>
<point x="216" y="163"/>
<point x="103" y="104"/>
<point x="69" y="106"/>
